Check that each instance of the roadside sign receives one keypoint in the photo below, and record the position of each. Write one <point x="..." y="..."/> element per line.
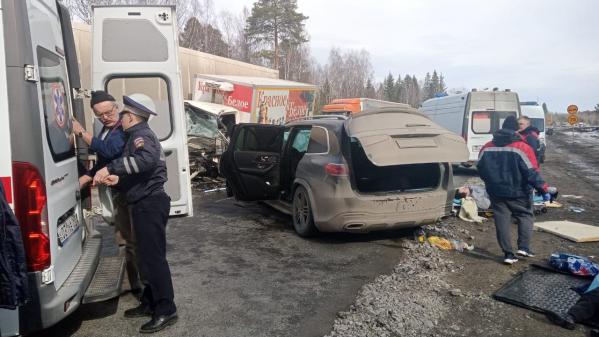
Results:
<point x="572" y="119"/>
<point x="572" y="109"/>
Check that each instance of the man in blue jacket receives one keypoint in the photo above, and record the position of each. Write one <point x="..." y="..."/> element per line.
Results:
<point x="108" y="146"/>
<point x="509" y="168"/>
<point x="141" y="173"/>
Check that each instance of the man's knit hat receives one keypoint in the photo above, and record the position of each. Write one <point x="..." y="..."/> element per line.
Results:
<point x="100" y="96"/>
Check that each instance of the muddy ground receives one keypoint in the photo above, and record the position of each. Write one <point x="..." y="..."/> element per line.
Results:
<point x="572" y="165"/>
<point x="240" y="270"/>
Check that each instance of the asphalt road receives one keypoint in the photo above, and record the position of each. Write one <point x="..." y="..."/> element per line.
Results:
<point x="239" y="269"/>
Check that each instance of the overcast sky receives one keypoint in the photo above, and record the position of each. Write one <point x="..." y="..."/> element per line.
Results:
<point x="546" y="50"/>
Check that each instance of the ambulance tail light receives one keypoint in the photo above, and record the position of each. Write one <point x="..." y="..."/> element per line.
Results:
<point x="31" y="212"/>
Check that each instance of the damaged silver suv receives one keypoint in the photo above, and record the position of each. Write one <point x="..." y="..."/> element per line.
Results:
<point x="382" y="169"/>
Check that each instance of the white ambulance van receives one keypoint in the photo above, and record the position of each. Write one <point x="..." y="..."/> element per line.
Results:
<point x="39" y="82"/>
<point x="474" y="115"/>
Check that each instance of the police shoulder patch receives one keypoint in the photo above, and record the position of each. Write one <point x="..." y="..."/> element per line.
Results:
<point x="138" y="142"/>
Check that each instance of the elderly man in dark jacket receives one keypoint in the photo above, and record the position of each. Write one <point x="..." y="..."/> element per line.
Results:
<point x="509" y="168"/>
<point x="530" y="134"/>
<point x="109" y="145"/>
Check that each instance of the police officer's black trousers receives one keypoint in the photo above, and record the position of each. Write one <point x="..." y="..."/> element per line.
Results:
<point x="150" y="216"/>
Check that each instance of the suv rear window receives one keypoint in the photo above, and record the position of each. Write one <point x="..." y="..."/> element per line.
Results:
<point x="56" y="102"/>
<point x="319" y="142"/>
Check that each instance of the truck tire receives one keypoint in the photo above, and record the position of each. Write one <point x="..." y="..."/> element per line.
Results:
<point x="303" y="219"/>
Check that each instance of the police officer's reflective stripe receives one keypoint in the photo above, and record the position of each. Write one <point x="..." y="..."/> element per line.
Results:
<point x="134" y="164"/>
<point x="127" y="165"/>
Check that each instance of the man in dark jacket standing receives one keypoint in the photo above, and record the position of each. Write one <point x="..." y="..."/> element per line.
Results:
<point x="141" y="174"/>
<point x="530" y="134"/>
<point x="510" y="171"/>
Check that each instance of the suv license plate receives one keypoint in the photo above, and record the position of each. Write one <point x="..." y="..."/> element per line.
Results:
<point x="66" y="228"/>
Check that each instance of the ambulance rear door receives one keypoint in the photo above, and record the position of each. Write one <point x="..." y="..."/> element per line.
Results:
<point x="135" y="50"/>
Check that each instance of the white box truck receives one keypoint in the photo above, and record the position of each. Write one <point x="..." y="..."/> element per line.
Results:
<point x="259" y="100"/>
<point x="474" y="115"/>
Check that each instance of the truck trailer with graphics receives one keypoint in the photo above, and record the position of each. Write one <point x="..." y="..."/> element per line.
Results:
<point x="259" y="100"/>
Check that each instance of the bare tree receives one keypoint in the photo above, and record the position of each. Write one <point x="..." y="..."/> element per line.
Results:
<point x="227" y="25"/>
<point x="349" y="73"/>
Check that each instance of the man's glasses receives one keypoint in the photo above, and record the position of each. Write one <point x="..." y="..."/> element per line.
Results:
<point x="104" y="114"/>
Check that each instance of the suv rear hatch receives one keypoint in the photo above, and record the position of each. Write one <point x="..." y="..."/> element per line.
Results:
<point x="400" y="149"/>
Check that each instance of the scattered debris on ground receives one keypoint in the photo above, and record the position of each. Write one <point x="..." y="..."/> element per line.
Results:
<point x="404" y="303"/>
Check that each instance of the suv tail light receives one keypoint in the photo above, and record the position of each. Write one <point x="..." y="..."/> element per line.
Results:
<point x="31" y="211"/>
<point x="336" y="170"/>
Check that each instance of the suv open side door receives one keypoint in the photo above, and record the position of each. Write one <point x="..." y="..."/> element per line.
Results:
<point x="135" y="50"/>
<point x="251" y="163"/>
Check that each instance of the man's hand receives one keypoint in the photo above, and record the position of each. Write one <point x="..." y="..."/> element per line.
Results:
<point x="111" y="180"/>
<point x="100" y="175"/>
<point x="77" y="128"/>
<point x="84" y="180"/>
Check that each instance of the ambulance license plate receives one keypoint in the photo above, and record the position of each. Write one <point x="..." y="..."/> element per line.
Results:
<point x="66" y="228"/>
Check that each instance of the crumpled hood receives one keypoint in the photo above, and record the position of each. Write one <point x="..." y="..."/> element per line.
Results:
<point x="503" y="137"/>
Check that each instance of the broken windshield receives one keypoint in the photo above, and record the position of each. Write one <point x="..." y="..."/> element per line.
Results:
<point x="201" y="123"/>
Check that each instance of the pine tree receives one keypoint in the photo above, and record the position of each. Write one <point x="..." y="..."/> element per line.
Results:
<point x="442" y="86"/>
<point x="203" y="37"/>
<point x="427" y="87"/>
<point x="415" y="102"/>
<point x="398" y="89"/>
<point x="369" y="90"/>
<point x="435" y="84"/>
<point x="275" y="21"/>
<point x="407" y="89"/>
<point x="389" y="88"/>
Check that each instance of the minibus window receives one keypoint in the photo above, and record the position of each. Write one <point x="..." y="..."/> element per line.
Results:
<point x="157" y="88"/>
<point x="538" y="123"/>
<point x="481" y="122"/>
<point x="485" y="122"/>
<point x="56" y="103"/>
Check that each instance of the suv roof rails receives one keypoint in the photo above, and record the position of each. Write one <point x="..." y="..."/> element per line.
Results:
<point x="336" y="117"/>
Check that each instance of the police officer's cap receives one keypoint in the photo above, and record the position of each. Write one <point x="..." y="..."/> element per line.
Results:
<point x="99" y="96"/>
<point x="139" y="104"/>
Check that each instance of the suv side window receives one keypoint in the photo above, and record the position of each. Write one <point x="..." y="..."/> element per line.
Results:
<point x="56" y="103"/>
<point x="301" y="140"/>
<point x="319" y="142"/>
<point x="255" y="138"/>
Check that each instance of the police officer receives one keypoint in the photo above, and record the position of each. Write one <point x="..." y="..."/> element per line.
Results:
<point x="141" y="173"/>
<point x="108" y="145"/>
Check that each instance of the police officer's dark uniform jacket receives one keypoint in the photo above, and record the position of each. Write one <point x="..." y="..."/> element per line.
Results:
<point x="142" y="167"/>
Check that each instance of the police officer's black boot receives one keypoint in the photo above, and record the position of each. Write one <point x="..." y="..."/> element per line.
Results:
<point x="159" y="322"/>
<point x="141" y="310"/>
